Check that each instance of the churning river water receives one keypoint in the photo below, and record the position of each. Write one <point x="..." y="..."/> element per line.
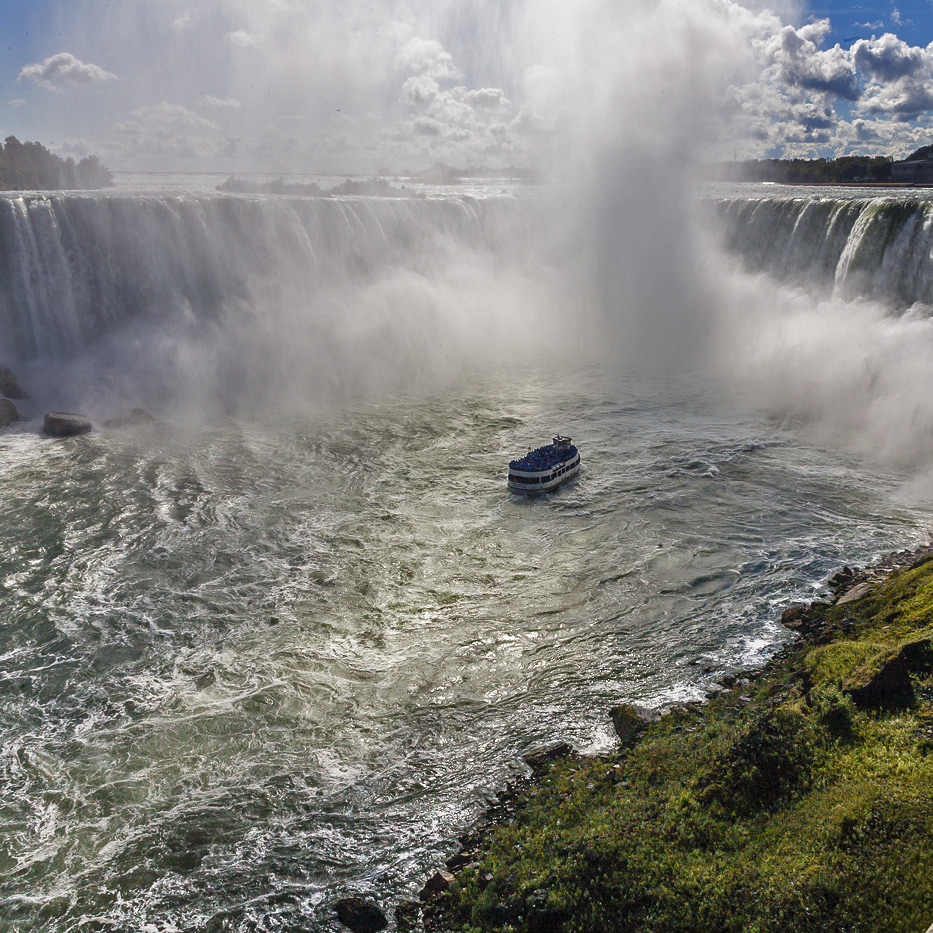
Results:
<point x="256" y="661"/>
<point x="253" y="666"/>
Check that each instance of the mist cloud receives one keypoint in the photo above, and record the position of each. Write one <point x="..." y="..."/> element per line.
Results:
<point x="623" y="100"/>
<point x="850" y="372"/>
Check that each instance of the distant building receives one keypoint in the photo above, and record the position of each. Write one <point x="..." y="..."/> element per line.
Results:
<point x="915" y="172"/>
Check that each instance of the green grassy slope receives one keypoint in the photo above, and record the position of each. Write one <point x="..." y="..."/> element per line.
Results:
<point x="799" y="801"/>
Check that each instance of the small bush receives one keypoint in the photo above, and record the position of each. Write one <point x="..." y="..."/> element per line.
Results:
<point x="834" y="712"/>
<point x="770" y="759"/>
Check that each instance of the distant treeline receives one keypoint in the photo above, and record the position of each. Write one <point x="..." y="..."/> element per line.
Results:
<point x="442" y="174"/>
<point x="276" y="186"/>
<point x="810" y="171"/>
<point x="817" y="171"/>
<point x="30" y="166"/>
<point x="378" y="187"/>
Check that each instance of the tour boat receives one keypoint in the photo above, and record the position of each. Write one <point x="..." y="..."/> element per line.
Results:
<point x="546" y="468"/>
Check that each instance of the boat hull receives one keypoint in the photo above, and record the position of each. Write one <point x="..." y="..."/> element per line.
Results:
<point x="536" y="482"/>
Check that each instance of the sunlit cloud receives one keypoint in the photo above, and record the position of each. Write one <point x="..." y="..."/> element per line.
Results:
<point x="64" y="70"/>
<point x="889" y="58"/>
<point x="803" y="64"/>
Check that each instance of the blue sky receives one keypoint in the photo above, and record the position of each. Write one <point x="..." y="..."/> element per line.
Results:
<point x="331" y="85"/>
<point x="910" y="20"/>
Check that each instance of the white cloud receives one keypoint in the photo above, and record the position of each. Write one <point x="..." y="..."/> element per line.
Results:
<point x="427" y="126"/>
<point x="906" y="98"/>
<point x="449" y="108"/>
<point x="241" y="38"/>
<point x="420" y="90"/>
<point x="19" y="102"/>
<point x="801" y="63"/>
<point x="208" y="100"/>
<point x="426" y="57"/>
<point x="900" y="75"/>
<point x="486" y="98"/>
<point x="794" y="97"/>
<point x="529" y="123"/>
<point x="76" y="148"/>
<point x="64" y="70"/>
<point x="449" y="123"/>
<point x="889" y="58"/>
<point x="165" y="116"/>
<point x="170" y="134"/>
<point x="152" y="152"/>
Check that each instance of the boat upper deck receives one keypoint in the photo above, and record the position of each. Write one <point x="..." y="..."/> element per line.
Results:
<point x="546" y="457"/>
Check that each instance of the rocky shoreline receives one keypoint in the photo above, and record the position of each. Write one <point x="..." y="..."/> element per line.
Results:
<point x="58" y="423"/>
<point x="895" y="680"/>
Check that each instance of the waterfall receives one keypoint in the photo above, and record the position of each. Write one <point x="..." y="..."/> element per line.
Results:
<point x="75" y="267"/>
<point x="878" y="248"/>
<point x="229" y="295"/>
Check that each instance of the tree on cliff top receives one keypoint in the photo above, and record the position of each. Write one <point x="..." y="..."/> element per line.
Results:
<point x="30" y="166"/>
<point x="924" y="152"/>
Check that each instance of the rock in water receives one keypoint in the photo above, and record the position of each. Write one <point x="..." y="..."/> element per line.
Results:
<point x="8" y="384"/>
<point x="360" y="915"/>
<point x="135" y="417"/>
<point x="8" y="412"/>
<point x="65" y="424"/>
<point x="539" y="758"/>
